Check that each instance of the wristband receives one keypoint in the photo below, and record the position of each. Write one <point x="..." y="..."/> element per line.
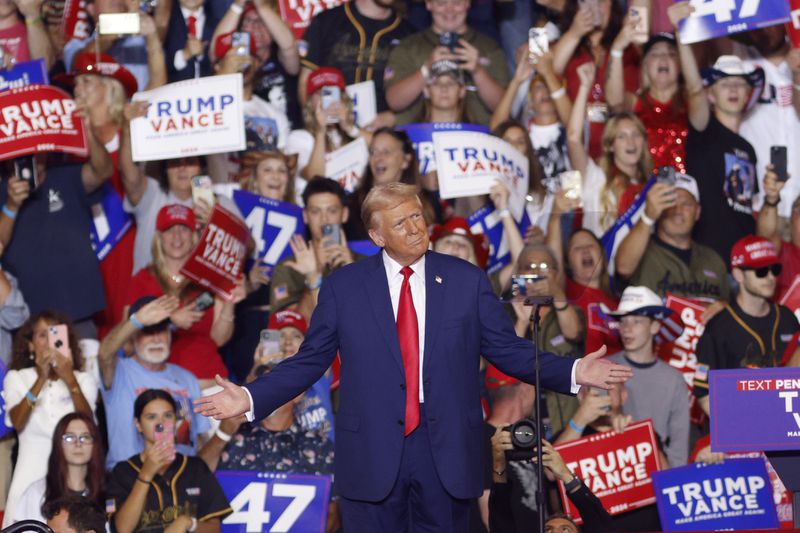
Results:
<point x="576" y="427"/>
<point x="316" y="285"/>
<point x="646" y="219"/>
<point x="563" y="308"/>
<point x="193" y="527"/>
<point x="221" y="435"/>
<point x="31" y="398"/>
<point x="504" y="213"/>
<point x="140" y="480"/>
<point x="572" y="484"/>
<point x="33" y="21"/>
<point x="9" y="213"/>
<point x="555" y="95"/>
<point x="236" y="8"/>
<point x="771" y="204"/>
<point x="135" y="321"/>
<point x="616" y="53"/>
<point x="425" y="72"/>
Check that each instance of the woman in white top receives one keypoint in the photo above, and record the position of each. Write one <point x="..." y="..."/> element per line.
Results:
<point x="76" y="468"/>
<point x="624" y="163"/>
<point x="42" y="386"/>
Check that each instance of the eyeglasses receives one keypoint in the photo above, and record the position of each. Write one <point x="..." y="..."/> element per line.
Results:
<point x="71" y="438"/>
<point x="763" y="271"/>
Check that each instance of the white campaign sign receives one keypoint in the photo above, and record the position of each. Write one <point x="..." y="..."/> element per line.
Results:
<point x="192" y="117"/>
<point x="469" y="162"/>
<point x="365" y="107"/>
<point x="347" y="164"/>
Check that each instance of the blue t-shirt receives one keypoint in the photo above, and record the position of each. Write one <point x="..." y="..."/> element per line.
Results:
<point x="315" y="411"/>
<point x="131" y="379"/>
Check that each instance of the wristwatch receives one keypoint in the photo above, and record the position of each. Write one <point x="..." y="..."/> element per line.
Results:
<point x="572" y="484"/>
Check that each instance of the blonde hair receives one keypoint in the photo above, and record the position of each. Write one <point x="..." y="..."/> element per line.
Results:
<point x="616" y="181"/>
<point x="115" y="98"/>
<point x="387" y="196"/>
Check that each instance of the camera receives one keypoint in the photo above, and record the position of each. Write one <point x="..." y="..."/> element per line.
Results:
<point x="523" y="438"/>
<point x="449" y="39"/>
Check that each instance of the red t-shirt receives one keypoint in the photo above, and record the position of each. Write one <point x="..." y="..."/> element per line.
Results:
<point x="14" y="41"/>
<point x="598" y="331"/>
<point x="630" y="74"/>
<point x="193" y="348"/>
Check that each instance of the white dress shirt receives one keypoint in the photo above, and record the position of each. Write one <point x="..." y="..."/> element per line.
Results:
<point x="180" y="61"/>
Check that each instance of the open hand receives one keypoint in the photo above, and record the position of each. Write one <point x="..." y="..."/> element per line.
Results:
<point x="231" y="401"/>
<point x="595" y="371"/>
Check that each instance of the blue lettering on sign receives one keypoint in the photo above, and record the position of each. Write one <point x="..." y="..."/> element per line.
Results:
<point x="25" y="73"/>
<point x="421" y="136"/>
<point x="187" y="106"/>
<point x="715" y="18"/>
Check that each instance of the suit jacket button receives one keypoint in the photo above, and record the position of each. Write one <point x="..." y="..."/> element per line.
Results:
<point x="401" y="422"/>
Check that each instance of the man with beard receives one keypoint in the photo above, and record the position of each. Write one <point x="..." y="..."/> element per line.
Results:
<point x="148" y="329"/>
<point x="669" y="260"/>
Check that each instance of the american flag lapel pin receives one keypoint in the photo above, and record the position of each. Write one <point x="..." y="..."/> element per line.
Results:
<point x="438" y="279"/>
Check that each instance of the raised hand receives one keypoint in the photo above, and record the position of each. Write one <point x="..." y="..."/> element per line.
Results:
<point x="231" y="401"/>
<point x="157" y="310"/>
<point x="595" y="371"/>
<point x="305" y="260"/>
<point x="586" y="73"/>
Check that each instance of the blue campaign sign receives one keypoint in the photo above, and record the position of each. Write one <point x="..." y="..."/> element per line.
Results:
<point x="266" y="501"/>
<point x="22" y="74"/>
<point x="736" y="494"/>
<point x="715" y="18"/>
<point x="614" y="236"/>
<point x="4" y="429"/>
<point x="272" y="224"/>
<point x="367" y="248"/>
<point x="421" y="135"/>
<point x="487" y="220"/>
<point x="110" y="222"/>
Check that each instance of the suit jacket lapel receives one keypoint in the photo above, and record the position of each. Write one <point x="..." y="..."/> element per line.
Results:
<point x="435" y="284"/>
<point x="378" y="292"/>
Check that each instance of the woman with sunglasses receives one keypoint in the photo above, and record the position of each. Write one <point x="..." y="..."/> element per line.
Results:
<point x="75" y="468"/>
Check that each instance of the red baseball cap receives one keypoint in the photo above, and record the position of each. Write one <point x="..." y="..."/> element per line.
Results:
<point x="288" y="318"/>
<point x="459" y="226"/>
<point x="173" y="214"/>
<point x="324" y="77"/>
<point x="104" y="65"/>
<point x="753" y="252"/>
<point x="223" y="43"/>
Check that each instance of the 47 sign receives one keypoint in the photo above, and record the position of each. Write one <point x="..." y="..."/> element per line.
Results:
<point x="715" y="18"/>
<point x="274" y="502"/>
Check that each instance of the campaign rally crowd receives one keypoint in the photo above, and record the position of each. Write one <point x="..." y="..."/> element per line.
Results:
<point x="660" y="211"/>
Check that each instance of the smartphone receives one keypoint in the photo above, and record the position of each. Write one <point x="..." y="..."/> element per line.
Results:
<point x="572" y="184"/>
<point x="58" y="339"/>
<point x="270" y="341"/>
<point x="202" y="189"/>
<point x="119" y="24"/>
<point x="204" y="301"/>
<point x="240" y="41"/>
<point x="449" y="39"/>
<point x="641" y="29"/>
<point x="538" y="43"/>
<point x="594" y="8"/>
<point x="25" y="169"/>
<point x="519" y="283"/>
<point x="331" y="234"/>
<point x="777" y="156"/>
<point x="666" y="174"/>
<point x="166" y="433"/>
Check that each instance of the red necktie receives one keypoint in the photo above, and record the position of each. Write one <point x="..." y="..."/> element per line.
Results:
<point x="408" y="333"/>
<point x="191" y="23"/>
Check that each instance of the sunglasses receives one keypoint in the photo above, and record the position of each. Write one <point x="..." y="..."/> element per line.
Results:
<point x="763" y="271"/>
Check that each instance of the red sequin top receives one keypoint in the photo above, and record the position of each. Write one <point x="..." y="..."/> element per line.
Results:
<point x="667" y="126"/>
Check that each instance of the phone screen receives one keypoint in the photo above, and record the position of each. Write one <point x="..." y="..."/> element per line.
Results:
<point x="202" y="189"/>
<point x="270" y="342"/>
<point x="25" y="169"/>
<point x="777" y="155"/>
<point x="119" y="24"/>
<point x="331" y="235"/>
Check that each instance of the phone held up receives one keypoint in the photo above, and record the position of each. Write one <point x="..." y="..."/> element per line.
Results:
<point x="777" y="156"/>
<point x="58" y="339"/>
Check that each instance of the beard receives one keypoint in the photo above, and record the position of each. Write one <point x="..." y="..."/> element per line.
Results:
<point x="154" y="352"/>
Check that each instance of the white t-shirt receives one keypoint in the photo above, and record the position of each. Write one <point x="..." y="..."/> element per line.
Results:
<point x="29" y="506"/>
<point x="35" y="440"/>
<point x="773" y="121"/>
<point x="594" y="179"/>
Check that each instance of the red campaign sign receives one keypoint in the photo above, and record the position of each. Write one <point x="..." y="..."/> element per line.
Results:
<point x="791" y="297"/>
<point x="75" y="20"/>
<point x="681" y="353"/>
<point x="297" y="14"/>
<point x="617" y="467"/>
<point x="217" y="262"/>
<point x="793" y="26"/>
<point x="39" y="118"/>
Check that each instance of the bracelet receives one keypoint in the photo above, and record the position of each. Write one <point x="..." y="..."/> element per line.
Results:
<point x="9" y="213"/>
<point x="236" y="8"/>
<point x="221" y="435"/>
<point x="193" y="527"/>
<point x="142" y="481"/>
<point x="316" y="285"/>
<point x="572" y="483"/>
<point x="564" y="308"/>
<point x="504" y="213"/>
<point x="31" y="398"/>
<point x="555" y="95"/>
<point x="771" y="204"/>
<point x="34" y="21"/>
<point x="616" y="53"/>
<point x="135" y="321"/>
<point x="646" y="219"/>
<point x="75" y="390"/>
<point x="576" y="427"/>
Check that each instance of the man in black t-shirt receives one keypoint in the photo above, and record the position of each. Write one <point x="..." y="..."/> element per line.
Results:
<point x="356" y="38"/>
<point x="752" y="331"/>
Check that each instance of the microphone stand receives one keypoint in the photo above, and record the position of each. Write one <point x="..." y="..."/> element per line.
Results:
<point x="537" y="302"/>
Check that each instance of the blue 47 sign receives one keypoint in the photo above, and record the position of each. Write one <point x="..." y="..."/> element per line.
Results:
<point x="271" y="224"/>
<point x="715" y="18"/>
<point x="274" y="502"/>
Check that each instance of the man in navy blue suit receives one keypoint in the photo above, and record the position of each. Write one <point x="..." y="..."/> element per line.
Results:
<point x="410" y="326"/>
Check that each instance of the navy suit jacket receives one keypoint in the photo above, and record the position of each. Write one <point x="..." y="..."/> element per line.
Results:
<point x="463" y="319"/>
<point x="178" y="33"/>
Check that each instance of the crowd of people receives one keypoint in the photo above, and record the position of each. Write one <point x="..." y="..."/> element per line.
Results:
<point x="675" y="139"/>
